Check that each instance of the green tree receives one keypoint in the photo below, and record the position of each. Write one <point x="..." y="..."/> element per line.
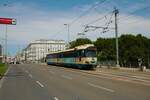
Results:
<point x="105" y="49"/>
<point x="131" y="49"/>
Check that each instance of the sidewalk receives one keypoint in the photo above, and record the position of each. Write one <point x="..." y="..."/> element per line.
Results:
<point x="123" y="75"/>
<point x="124" y="69"/>
<point x="118" y="74"/>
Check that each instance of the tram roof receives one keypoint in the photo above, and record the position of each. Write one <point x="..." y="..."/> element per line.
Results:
<point x="81" y="47"/>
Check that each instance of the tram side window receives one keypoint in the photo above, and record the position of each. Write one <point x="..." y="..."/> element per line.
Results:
<point x="53" y="56"/>
<point x="81" y="53"/>
<point x="59" y="55"/>
<point x="70" y="54"/>
<point x="49" y="56"/>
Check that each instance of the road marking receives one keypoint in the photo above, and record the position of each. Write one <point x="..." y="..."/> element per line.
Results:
<point x="39" y="83"/>
<point x="30" y="75"/>
<point x="100" y="87"/>
<point x="27" y="71"/>
<point x="110" y="77"/>
<point x="55" y="98"/>
<point x="51" y="72"/>
<point x="67" y="77"/>
<point x="3" y="78"/>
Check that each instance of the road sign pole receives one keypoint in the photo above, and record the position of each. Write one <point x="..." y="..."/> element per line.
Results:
<point x="7" y="21"/>
<point x="6" y="45"/>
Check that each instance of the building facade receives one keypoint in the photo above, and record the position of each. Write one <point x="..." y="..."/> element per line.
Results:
<point x="37" y="50"/>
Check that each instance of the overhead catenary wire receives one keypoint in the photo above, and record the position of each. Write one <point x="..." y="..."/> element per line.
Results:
<point x="58" y="32"/>
<point x="132" y="14"/>
<point x="103" y="27"/>
<point x="85" y="12"/>
<point x="110" y="21"/>
<point x="101" y="18"/>
<point x="126" y="17"/>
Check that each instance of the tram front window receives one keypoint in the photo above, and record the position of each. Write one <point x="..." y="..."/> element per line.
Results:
<point x="90" y="53"/>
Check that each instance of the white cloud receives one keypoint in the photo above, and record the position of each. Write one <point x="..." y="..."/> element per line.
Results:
<point x="135" y="25"/>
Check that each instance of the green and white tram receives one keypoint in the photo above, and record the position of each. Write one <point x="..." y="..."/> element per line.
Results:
<point x="83" y="57"/>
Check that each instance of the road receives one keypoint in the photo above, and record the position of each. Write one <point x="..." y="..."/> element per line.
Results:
<point x="41" y="82"/>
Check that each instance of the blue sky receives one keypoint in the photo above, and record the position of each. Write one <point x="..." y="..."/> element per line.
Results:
<point x="45" y="19"/>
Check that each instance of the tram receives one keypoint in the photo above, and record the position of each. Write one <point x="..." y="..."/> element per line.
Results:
<point x="83" y="57"/>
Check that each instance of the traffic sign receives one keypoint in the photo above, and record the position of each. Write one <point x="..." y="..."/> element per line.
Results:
<point x="8" y="21"/>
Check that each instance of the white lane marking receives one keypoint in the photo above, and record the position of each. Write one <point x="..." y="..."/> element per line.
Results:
<point x="67" y="77"/>
<point x="140" y="80"/>
<point x="3" y="78"/>
<point x="100" y="87"/>
<point x="26" y="71"/>
<point x="30" y="75"/>
<point x="55" y="98"/>
<point x="51" y="72"/>
<point x="41" y="85"/>
<point x="140" y="77"/>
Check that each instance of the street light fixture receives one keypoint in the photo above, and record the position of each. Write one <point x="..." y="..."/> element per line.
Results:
<point x="68" y="29"/>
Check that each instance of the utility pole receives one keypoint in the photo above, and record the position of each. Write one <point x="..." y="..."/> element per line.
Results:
<point x="116" y="12"/>
<point x="38" y="54"/>
<point x="148" y="61"/>
<point x="25" y="52"/>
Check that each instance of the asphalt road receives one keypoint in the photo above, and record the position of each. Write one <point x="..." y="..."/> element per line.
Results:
<point x="40" y="82"/>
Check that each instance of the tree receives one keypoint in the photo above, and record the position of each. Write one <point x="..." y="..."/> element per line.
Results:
<point x="105" y="49"/>
<point x="131" y="49"/>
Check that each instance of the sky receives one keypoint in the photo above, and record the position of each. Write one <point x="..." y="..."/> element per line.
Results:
<point x="45" y="19"/>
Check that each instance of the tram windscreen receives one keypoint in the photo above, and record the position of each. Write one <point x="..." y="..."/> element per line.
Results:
<point x="90" y="52"/>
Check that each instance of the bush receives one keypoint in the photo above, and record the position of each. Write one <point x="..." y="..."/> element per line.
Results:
<point x="3" y="69"/>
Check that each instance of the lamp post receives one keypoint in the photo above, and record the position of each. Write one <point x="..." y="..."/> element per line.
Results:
<point x="68" y="29"/>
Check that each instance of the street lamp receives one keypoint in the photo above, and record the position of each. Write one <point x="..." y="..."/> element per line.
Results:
<point x="68" y="29"/>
